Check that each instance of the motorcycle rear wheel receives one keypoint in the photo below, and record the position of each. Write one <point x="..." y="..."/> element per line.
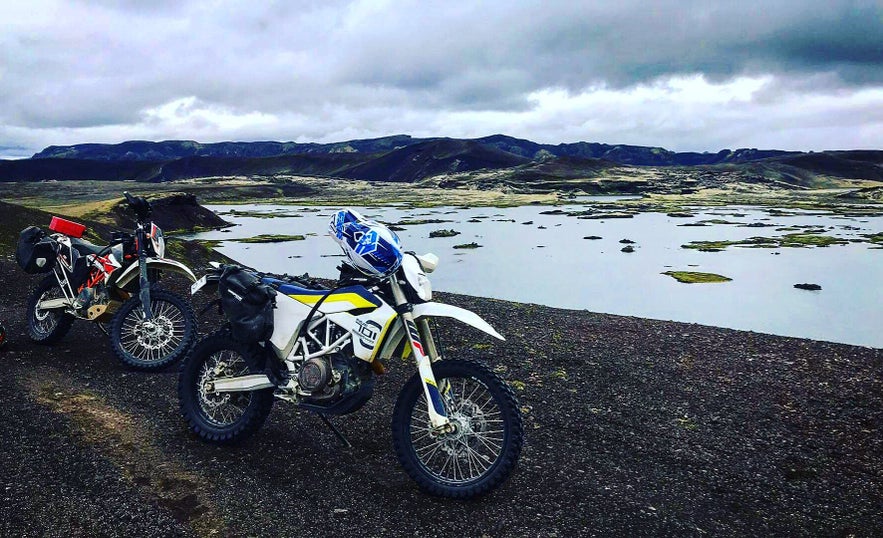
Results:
<point x="484" y="448"/>
<point x="224" y="418"/>
<point x="150" y="345"/>
<point x="47" y="326"/>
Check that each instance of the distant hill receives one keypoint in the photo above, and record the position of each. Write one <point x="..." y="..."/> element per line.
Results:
<point x="625" y="154"/>
<point x="305" y="164"/>
<point x="402" y="158"/>
<point x="142" y="150"/>
<point x="431" y="158"/>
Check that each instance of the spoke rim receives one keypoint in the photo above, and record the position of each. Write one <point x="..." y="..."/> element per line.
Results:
<point x="155" y="339"/>
<point x="45" y="321"/>
<point x="227" y="408"/>
<point x="474" y="448"/>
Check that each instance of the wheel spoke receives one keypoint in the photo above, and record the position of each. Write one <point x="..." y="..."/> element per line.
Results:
<point x="222" y="409"/>
<point x="477" y="442"/>
<point x="156" y="339"/>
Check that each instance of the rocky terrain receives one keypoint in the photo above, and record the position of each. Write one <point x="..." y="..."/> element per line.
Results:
<point x="633" y="427"/>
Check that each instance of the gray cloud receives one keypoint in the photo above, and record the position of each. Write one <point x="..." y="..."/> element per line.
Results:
<point x="316" y="70"/>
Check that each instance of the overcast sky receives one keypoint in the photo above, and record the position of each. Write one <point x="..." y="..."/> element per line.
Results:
<point x="684" y="75"/>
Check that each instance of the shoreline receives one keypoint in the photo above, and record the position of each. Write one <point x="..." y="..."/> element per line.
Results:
<point x="308" y="191"/>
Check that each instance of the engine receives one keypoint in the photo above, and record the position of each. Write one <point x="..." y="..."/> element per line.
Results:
<point x="325" y="380"/>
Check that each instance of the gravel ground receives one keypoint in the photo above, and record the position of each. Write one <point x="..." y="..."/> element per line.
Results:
<point x="633" y="427"/>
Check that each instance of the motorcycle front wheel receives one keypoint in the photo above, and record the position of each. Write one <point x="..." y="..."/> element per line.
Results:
<point x="484" y="447"/>
<point x="150" y="345"/>
<point x="222" y="418"/>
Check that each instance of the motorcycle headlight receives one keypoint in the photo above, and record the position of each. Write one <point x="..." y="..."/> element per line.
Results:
<point x="416" y="278"/>
<point x="158" y="241"/>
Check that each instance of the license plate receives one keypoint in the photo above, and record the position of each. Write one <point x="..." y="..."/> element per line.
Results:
<point x="196" y="286"/>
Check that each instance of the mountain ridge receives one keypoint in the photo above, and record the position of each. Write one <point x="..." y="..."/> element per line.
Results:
<point x="144" y="150"/>
<point x="514" y="163"/>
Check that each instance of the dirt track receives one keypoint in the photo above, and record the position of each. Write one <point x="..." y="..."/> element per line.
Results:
<point x="634" y="427"/>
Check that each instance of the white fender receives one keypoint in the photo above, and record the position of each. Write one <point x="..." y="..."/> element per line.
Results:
<point x="448" y="311"/>
<point x="132" y="272"/>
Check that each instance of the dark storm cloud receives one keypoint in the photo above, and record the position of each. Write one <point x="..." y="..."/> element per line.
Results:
<point x="344" y="67"/>
<point x="541" y="44"/>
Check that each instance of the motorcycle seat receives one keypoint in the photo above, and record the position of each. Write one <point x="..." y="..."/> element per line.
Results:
<point x="84" y="247"/>
<point x="291" y="289"/>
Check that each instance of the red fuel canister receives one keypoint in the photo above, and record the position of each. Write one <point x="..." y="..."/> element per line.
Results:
<point x="66" y="227"/>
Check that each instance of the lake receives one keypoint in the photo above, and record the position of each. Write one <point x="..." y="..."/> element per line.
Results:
<point x="530" y="257"/>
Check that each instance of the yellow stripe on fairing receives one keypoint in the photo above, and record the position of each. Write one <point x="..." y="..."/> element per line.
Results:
<point x="430" y="382"/>
<point x="379" y="342"/>
<point x="357" y="300"/>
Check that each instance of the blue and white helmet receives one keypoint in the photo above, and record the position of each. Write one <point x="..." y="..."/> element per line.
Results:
<point x="370" y="247"/>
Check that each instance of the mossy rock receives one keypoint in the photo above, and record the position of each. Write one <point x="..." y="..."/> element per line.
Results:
<point x="444" y="233"/>
<point x="599" y="216"/>
<point x="795" y="240"/>
<point x="415" y="222"/>
<point x="694" y="277"/>
<point x="468" y="245"/>
<point x="810" y="239"/>
<point x="876" y="238"/>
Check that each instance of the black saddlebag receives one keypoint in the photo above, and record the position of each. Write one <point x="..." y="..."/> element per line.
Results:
<point x="35" y="252"/>
<point x="247" y="303"/>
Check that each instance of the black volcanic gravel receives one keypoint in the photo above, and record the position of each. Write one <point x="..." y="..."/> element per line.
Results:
<point x="633" y="427"/>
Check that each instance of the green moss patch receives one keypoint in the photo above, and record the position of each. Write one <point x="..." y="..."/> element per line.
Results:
<point x="717" y="246"/>
<point x="270" y="238"/>
<point x="209" y="243"/>
<point x="693" y="277"/>
<point x="259" y="214"/>
<point x="795" y="240"/>
<point x="415" y="222"/>
<point x="876" y="238"/>
<point x="810" y="240"/>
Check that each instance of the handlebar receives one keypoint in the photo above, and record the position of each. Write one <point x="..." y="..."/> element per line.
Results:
<point x="139" y="205"/>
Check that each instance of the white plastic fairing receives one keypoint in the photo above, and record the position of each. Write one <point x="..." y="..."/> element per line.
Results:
<point x="428" y="261"/>
<point x="449" y="311"/>
<point x="286" y="319"/>
<point x="416" y="277"/>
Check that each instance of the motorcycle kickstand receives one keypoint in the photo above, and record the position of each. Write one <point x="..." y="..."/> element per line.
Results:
<point x="334" y="429"/>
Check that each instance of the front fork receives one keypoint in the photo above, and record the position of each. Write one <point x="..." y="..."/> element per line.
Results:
<point x="144" y="292"/>
<point x="438" y="417"/>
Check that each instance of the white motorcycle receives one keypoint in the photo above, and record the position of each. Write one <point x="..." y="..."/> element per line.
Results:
<point x="456" y="427"/>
